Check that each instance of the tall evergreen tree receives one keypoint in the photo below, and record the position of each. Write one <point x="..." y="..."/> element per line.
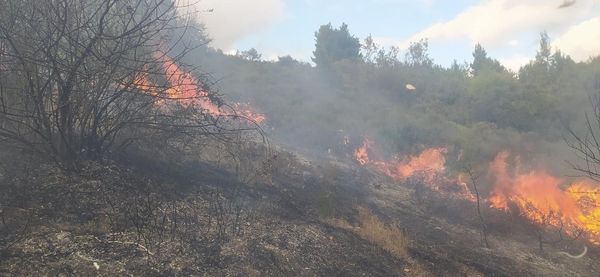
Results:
<point x="543" y="56"/>
<point x="482" y="62"/>
<point x="335" y="44"/>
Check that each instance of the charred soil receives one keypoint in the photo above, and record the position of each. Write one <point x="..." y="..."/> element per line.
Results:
<point x="311" y="218"/>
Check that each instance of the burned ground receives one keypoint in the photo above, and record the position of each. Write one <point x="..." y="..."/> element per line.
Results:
<point x="118" y="219"/>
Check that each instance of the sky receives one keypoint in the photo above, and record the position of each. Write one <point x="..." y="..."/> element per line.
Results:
<point x="508" y="29"/>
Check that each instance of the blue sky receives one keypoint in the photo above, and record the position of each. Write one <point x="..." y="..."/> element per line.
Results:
<point x="508" y="29"/>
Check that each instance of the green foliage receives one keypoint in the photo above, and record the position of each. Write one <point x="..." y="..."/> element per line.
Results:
<point x="544" y="54"/>
<point x="250" y="55"/>
<point x="376" y="55"/>
<point x="481" y="62"/>
<point x="474" y="109"/>
<point x="417" y="54"/>
<point x="287" y="61"/>
<point x="335" y="44"/>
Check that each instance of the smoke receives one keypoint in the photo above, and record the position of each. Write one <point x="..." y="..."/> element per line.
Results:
<point x="228" y="21"/>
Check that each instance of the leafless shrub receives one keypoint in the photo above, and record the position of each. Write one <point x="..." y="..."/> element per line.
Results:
<point x="586" y="144"/>
<point x="550" y="228"/>
<point x="483" y="226"/>
<point x="156" y="216"/>
<point x="228" y="214"/>
<point x="80" y="78"/>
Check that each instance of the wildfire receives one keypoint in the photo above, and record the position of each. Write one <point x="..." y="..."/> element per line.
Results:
<point x="361" y="154"/>
<point x="187" y="91"/>
<point x="431" y="162"/>
<point x="142" y="83"/>
<point x="244" y="109"/>
<point x="587" y="196"/>
<point x="430" y="165"/>
<point x="538" y="196"/>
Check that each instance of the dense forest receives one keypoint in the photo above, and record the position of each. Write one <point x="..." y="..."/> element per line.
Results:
<point x="130" y="146"/>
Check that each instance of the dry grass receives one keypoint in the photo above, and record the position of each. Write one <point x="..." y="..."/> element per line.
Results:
<point x="371" y="228"/>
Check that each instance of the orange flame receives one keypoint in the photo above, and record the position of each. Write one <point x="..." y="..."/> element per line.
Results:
<point x="538" y="196"/>
<point x="361" y="154"/>
<point x="187" y="91"/>
<point x="246" y="110"/>
<point x="142" y="83"/>
<point x="429" y="164"/>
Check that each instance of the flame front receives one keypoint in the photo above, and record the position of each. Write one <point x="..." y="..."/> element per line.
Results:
<point x="429" y="165"/>
<point x="538" y="196"/>
<point x="535" y="194"/>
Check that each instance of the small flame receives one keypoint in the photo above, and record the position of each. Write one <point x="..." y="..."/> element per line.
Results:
<point x="246" y="110"/>
<point x="430" y="163"/>
<point x="142" y="83"/>
<point x="362" y="154"/>
<point x="184" y="89"/>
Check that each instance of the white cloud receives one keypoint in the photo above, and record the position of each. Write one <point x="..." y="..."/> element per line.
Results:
<point x="514" y="63"/>
<point x="388" y="42"/>
<point x="581" y="41"/>
<point x="494" y="22"/>
<point x="232" y="20"/>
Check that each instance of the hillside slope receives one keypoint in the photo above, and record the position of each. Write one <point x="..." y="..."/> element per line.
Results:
<point x="196" y="219"/>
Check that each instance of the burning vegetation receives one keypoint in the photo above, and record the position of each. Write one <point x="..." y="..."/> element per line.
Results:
<point x="183" y="89"/>
<point x="429" y="167"/>
<point x="546" y="199"/>
<point x="536" y="195"/>
<point x="118" y="156"/>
